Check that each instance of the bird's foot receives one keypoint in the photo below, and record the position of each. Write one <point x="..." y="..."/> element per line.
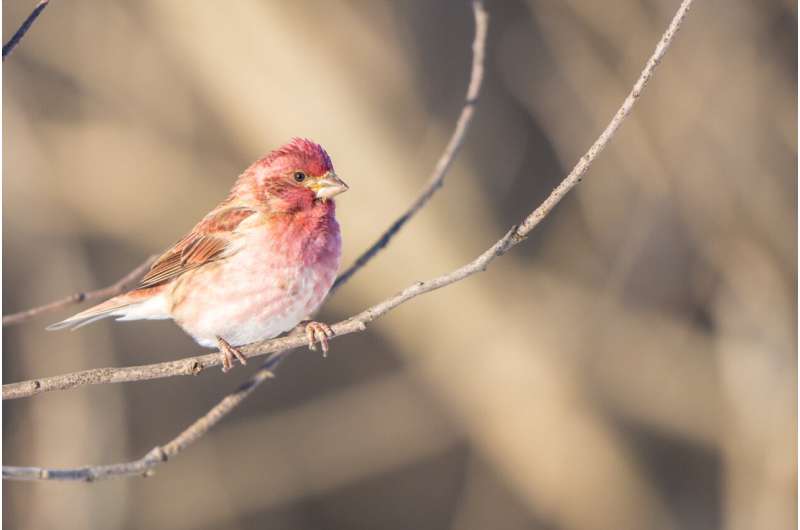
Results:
<point x="318" y="332"/>
<point x="228" y="354"/>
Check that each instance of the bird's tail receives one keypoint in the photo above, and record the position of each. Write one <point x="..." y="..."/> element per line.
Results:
<point x="112" y="307"/>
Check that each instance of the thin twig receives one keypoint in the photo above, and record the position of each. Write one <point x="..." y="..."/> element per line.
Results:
<point x="513" y="237"/>
<point x="23" y="29"/>
<point x="436" y="180"/>
<point x="158" y="454"/>
<point x="114" y="289"/>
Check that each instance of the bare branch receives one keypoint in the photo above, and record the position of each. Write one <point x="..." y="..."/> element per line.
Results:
<point x="116" y="288"/>
<point x="23" y="29"/>
<point x="513" y="237"/>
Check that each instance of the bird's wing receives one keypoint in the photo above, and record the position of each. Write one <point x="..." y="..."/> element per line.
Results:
<point x="207" y="242"/>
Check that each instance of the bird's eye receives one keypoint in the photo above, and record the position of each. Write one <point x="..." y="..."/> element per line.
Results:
<point x="299" y="176"/>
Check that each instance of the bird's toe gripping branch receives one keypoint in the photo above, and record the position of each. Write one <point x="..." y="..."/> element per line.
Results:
<point x="318" y="332"/>
<point x="228" y="354"/>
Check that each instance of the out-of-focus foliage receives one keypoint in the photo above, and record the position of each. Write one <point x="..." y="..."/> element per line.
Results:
<point x="633" y="365"/>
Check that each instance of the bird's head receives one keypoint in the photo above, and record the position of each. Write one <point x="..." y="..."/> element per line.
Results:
<point x="292" y="178"/>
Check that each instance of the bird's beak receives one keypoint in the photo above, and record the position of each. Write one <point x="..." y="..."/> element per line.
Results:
<point x="329" y="186"/>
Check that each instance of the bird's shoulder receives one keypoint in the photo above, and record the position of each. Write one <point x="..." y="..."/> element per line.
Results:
<point x="211" y="239"/>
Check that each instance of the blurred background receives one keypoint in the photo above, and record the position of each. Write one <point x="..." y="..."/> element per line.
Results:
<point x="632" y="365"/>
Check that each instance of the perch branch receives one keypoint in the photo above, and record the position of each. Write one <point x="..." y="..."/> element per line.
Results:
<point x="23" y="29"/>
<point x="114" y="289"/>
<point x="513" y="237"/>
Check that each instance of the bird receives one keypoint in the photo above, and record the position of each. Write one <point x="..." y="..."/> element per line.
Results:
<point x="254" y="267"/>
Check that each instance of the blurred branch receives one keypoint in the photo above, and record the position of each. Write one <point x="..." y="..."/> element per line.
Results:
<point x="23" y="29"/>
<point x="114" y="289"/>
<point x="513" y="237"/>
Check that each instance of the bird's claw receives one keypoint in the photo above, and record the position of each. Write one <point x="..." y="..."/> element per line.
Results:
<point x="318" y="332"/>
<point x="228" y="354"/>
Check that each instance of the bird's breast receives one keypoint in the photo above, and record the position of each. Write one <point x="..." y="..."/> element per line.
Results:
<point x="276" y="276"/>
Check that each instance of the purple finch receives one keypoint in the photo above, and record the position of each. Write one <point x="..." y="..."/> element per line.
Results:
<point x="255" y="266"/>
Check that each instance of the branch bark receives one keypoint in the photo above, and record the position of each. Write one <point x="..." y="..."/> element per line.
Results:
<point x="513" y="237"/>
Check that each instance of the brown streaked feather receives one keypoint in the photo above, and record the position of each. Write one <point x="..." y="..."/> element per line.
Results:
<point x="207" y="242"/>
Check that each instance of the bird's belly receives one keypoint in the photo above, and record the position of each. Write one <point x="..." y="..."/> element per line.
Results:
<point x="242" y="302"/>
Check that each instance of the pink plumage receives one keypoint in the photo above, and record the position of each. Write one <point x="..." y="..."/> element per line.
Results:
<point x="255" y="266"/>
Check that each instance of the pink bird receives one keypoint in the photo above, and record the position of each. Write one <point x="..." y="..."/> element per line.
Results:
<point x="255" y="266"/>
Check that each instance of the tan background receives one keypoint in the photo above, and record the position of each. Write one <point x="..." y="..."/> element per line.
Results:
<point x="632" y="366"/>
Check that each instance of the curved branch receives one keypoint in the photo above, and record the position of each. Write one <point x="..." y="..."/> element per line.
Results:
<point x="513" y="237"/>
<point x="436" y="180"/>
<point x="114" y="289"/>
